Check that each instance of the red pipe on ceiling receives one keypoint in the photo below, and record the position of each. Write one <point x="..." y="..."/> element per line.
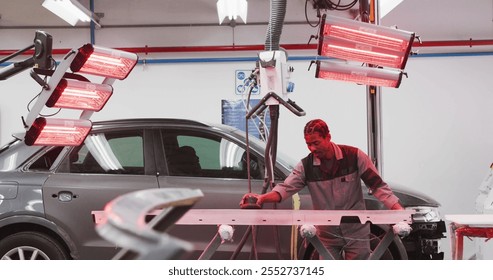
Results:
<point x="147" y="49"/>
<point x="457" y="43"/>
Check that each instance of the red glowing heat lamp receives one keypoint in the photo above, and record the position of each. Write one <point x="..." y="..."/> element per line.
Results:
<point x="57" y="132"/>
<point x="80" y="95"/>
<point x="105" y="62"/>
<point x="364" y="42"/>
<point x="358" y="74"/>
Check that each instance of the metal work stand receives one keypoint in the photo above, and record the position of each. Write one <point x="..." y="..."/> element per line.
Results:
<point x="305" y="218"/>
<point x="319" y="246"/>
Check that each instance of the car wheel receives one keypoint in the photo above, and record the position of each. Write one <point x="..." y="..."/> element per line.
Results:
<point x="31" y="246"/>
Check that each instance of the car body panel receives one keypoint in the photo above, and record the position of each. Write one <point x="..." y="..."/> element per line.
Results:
<point x="89" y="192"/>
<point x="28" y="196"/>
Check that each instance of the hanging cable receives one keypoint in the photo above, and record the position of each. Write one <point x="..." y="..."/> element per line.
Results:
<point x="306" y="16"/>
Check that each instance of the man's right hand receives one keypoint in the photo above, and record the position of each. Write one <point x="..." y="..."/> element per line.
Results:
<point x="251" y="201"/>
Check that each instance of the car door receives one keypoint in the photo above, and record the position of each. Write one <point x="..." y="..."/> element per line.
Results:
<point x="108" y="164"/>
<point x="215" y="164"/>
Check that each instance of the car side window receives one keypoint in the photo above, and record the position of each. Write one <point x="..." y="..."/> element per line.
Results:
<point x="44" y="162"/>
<point x="108" y="153"/>
<point x="203" y="155"/>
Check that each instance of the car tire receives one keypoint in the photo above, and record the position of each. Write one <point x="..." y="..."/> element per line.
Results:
<point x="31" y="245"/>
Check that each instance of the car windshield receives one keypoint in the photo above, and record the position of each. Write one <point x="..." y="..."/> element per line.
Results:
<point x="14" y="154"/>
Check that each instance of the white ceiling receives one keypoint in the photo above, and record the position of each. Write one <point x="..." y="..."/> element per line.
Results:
<point x="432" y="20"/>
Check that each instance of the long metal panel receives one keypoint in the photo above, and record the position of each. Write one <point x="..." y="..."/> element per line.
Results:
<point x="282" y="217"/>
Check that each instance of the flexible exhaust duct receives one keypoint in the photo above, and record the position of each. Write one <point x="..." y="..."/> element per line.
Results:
<point x="276" y="21"/>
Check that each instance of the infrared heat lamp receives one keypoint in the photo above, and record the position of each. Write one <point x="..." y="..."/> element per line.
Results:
<point x="364" y="42"/>
<point x="69" y="91"/>
<point x="105" y="62"/>
<point x="75" y="94"/>
<point x="358" y="74"/>
<point x="57" y="132"/>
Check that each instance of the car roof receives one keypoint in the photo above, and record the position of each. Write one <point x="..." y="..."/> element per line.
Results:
<point x="149" y="121"/>
<point x="158" y="122"/>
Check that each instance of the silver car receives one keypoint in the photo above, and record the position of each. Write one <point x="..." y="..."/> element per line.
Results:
<point x="47" y="194"/>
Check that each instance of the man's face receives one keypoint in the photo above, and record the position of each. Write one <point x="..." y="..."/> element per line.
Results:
<point x="318" y="145"/>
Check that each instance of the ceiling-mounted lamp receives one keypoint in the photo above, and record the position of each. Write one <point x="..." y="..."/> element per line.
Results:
<point x="232" y="9"/>
<point x="70" y="11"/>
<point x="364" y="42"/>
<point x="358" y="74"/>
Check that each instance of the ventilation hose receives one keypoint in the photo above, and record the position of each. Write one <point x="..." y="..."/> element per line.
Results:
<point x="273" y="37"/>
<point x="276" y="21"/>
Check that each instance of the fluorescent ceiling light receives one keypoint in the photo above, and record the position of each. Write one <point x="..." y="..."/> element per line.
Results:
<point x="70" y="11"/>
<point x="232" y="9"/>
<point x="358" y="74"/>
<point x="387" y="5"/>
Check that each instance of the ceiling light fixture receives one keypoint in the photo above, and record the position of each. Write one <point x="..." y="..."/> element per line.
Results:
<point x="388" y="5"/>
<point x="232" y="9"/>
<point x="70" y="11"/>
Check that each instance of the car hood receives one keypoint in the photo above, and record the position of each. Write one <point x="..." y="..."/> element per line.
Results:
<point x="409" y="197"/>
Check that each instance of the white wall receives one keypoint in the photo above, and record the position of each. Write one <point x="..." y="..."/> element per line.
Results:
<point x="437" y="129"/>
<point x="438" y="133"/>
<point x="436" y="126"/>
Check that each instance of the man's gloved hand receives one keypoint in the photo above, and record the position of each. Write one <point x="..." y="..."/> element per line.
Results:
<point x="402" y="229"/>
<point x="397" y="206"/>
<point x="250" y="201"/>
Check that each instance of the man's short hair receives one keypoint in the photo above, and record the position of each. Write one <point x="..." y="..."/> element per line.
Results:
<point x="317" y="125"/>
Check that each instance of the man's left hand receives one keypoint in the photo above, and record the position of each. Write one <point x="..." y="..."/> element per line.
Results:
<point x="402" y="229"/>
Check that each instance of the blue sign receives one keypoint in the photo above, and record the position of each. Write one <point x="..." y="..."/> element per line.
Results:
<point x="234" y="114"/>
